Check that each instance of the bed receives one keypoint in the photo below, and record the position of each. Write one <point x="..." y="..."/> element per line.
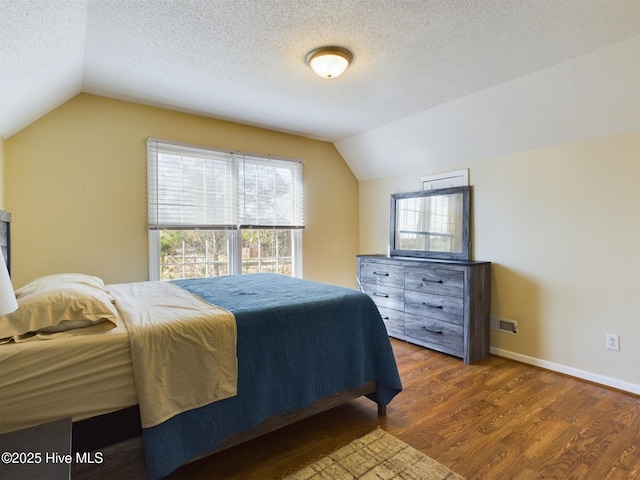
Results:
<point x="301" y="347"/>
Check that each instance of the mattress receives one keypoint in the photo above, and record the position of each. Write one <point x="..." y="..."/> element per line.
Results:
<point x="79" y="376"/>
<point x="297" y="342"/>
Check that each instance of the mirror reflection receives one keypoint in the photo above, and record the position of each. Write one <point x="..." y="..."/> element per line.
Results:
<point x="430" y="223"/>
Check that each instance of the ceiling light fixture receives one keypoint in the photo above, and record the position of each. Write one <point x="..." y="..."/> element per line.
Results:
<point x="329" y="62"/>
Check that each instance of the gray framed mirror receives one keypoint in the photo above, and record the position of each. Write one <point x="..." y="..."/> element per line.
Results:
<point x="431" y="224"/>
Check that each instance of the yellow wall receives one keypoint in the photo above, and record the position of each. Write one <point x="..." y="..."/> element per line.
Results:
<point x="75" y="183"/>
<point x="561" y="226"/>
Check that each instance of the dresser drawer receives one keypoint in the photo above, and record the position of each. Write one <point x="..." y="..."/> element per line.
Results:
<point x="441" y="307"/>
<point x="434" y="280"/>
<point x="382" y="274"/>
<point x="442" y="336"/>
<point x="393" y="320"/>
<point x="388" y="297"/>
<point x="436" y="303"/>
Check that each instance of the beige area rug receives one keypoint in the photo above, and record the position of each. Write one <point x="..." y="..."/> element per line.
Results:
<point x="377" y="455"/>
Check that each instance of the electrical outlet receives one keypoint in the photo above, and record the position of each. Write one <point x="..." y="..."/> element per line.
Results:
<point x="613" y="341"/>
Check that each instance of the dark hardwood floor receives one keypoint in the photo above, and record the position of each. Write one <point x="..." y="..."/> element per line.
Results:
<point x="497" y="419"/>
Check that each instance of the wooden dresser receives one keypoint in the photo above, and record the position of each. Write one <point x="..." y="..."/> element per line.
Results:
<point x="439" y="304"/>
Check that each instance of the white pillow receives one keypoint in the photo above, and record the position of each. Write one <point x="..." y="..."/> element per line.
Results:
<point x="58" y="303"/>
<point x="57" y="280"/>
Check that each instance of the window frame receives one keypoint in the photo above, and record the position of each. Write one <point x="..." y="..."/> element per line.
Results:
<point x="234" y="231"/>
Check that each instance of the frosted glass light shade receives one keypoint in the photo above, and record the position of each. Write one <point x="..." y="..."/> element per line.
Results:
<point x="8" y="301"/>
<point x="329" y="62"/>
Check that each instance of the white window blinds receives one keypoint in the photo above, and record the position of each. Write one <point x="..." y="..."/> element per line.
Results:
<point x="192" y="187"/>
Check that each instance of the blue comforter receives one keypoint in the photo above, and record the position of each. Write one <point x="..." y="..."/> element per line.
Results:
<point x="298" y="341"/>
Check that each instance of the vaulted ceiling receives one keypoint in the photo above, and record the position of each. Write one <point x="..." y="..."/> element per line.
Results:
<point x="433" y="83"/>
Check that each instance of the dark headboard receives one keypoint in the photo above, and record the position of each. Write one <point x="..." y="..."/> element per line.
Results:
<point x="5" y="237"/>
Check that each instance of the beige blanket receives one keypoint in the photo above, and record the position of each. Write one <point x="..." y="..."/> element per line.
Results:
<point x="183" y="349"/>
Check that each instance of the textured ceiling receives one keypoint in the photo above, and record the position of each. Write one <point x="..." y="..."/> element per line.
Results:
<point x="243" y="60"/>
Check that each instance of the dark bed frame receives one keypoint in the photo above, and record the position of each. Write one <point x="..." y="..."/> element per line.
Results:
<point x="5" y="236"/>
<point x="104" y="430"/>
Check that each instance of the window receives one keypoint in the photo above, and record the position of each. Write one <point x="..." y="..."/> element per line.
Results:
<point x="218" y="213"/>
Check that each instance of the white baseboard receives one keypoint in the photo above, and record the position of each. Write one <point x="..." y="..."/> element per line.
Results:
<point x="574" y="372"/>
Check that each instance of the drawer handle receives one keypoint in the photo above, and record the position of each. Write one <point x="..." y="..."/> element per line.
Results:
<point x="432" y="306"/>
<point x="428" y="280"/>
<point x="381" y="274"/>
<point x="437" y="332"/>
<point x="384" y="295"/>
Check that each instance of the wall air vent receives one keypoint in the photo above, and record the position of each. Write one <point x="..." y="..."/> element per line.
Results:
<point x="504" y="325"/>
